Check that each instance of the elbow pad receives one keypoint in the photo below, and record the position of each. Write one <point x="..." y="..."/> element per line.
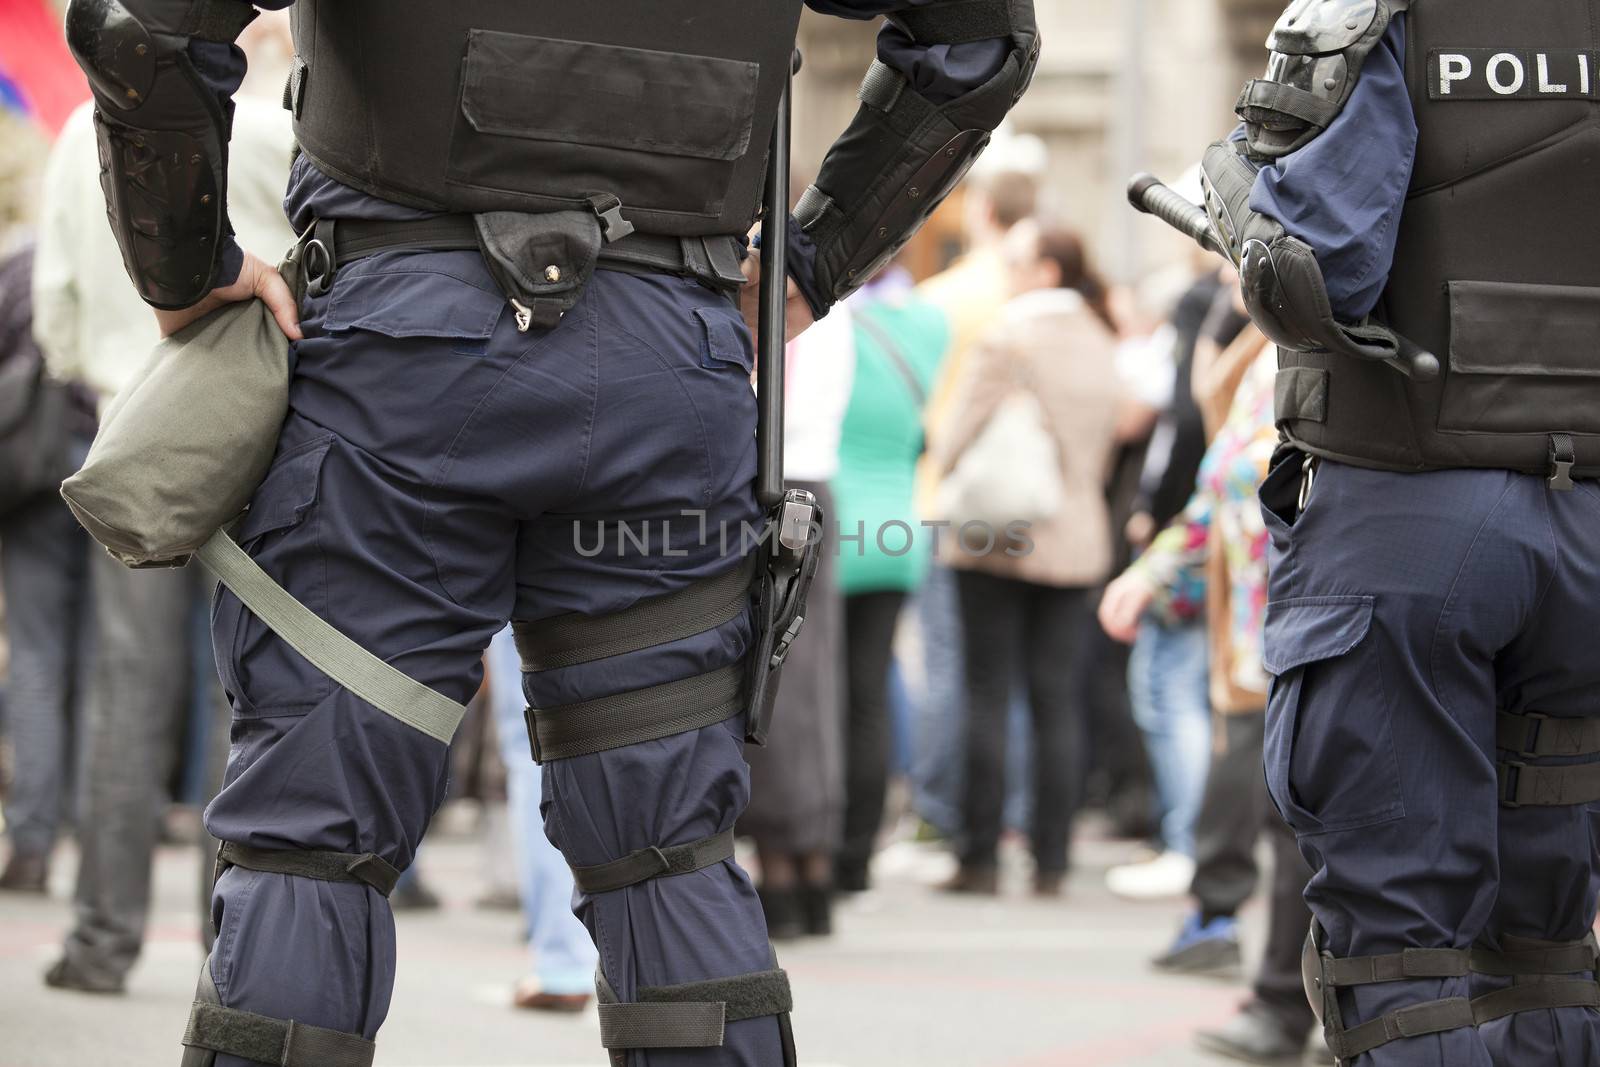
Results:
<point x="902" y="155"/>
<point x="1318" y="49"/>
<point x="1279" y="276"/>
<point x="163" y="137"/>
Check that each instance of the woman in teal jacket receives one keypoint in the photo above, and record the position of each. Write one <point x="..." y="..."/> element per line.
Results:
<point x="900" y="343"/>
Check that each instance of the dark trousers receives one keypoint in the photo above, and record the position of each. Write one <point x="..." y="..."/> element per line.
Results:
<point x="439" y="473"/>
<point x="1014" y="628"/>
<point x="869" y="622"/>
<point x="1406" y="611"/>
<point x="1234" y="813"/>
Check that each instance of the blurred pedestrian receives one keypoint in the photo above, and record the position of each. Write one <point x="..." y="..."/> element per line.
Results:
<point x="1222" y="531"/>
<point x="797" y="779"/>
<point x="901" y="340"/>
<point x="94" y="330"/>
<point x="1024" y="605"/>
<point x="561" y="972"/>
<point x="1167" y="673"/>
<point x="42" y="573"/>
<point x="972" y="292"/>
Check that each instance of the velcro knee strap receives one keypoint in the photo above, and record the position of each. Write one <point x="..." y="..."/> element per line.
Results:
<point x="365" y="867"/>
<point x="1533" y="996"/>
<point x="567" y="640"/>
<point x="584" y="727"/>
<point x="691" y="1015"/>
<point x="1397" y="966"/>
<point x="1431" y="1017"/>
<point x="1533" y="734"/>
<point x="1533" y="785"/>
<point x="1524" y="957"/>
<point x="654" y="862"/>
<point x="263" y="1039"/>
<point x="588" y="726"/>
<point x="956" y="21"/>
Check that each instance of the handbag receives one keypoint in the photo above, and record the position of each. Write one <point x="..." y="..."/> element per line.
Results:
<point x="1011" y="472"/>
<point x="35" y="412"/>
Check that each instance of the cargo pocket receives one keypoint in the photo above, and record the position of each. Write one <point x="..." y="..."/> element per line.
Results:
<point x="447" y="296"/>
<point x="668" y="127"/>
<point x="1519" y="355"/>
<point x="262" y="673"/>
<point x="725" y="340"/>
<point x="1330" y="757"/>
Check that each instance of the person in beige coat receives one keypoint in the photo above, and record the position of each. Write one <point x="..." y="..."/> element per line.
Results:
<point x="1024" y="593"/>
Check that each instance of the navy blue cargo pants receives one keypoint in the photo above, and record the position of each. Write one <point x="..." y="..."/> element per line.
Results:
<point x="1406" y="611"/>
<point x="438" y="474"/>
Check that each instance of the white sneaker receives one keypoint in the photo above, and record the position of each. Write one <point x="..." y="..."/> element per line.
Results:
<point x="1168" y="875"/>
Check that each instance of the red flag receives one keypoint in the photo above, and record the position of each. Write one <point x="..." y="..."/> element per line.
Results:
<point x="41" y="75"/>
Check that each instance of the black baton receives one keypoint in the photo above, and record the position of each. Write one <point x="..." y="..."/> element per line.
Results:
<point x="1147" y="193"/>
<point x="772" y="328"/>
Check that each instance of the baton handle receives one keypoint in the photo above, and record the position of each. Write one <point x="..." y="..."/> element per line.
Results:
<point x="1147" y="193"/>
<point x="772" y="332"/>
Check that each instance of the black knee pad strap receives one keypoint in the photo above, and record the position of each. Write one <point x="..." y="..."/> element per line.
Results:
<point x="654" y="862"/>
<point x="363" y="867"/>
<point x="262" y="1039"/>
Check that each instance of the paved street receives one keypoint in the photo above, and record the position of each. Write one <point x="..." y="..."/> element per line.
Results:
<point x="912" y="978"/>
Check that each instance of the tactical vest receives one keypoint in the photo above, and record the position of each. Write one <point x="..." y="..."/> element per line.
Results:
<point x="1498" y="266"/>
<point x="544" y="105"/>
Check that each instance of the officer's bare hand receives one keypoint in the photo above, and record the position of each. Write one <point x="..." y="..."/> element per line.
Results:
<point x="1124" y="604"/>
<point x="796" y="311"/>
<point x="257" y="281"/>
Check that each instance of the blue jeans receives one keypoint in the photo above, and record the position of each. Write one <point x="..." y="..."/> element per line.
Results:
<point x="563" y="956"/>
<point x="1168" y="685"/>
<point x="43" y="574"/>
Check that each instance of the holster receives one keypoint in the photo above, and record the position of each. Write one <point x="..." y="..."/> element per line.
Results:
<point x="791" y="546"/>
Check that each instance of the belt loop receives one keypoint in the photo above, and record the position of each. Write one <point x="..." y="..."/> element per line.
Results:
<point x="1562" y="460"/>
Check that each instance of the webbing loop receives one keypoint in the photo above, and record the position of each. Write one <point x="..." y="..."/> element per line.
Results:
<point x="654" y="862"/>
<point x="364" y="867"/>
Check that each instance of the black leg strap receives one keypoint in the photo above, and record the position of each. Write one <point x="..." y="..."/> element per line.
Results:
<point x="310" y="863"/>
<point x="1430" y="1017"/>
<point x="1325" y="974"/>
<point x="262" y="1039"/>
<point x="638" y="715"/>
<point x="654" y="862"/>
<point x="570" y="639"/>
<point x="1533" y="734"/>
<point x="692" y="1015"/>
<point x="1533" y="785"/>
<point x="1533" y="996"/>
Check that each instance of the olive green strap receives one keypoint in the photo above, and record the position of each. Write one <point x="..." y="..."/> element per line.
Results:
<point x="331" y="652"/>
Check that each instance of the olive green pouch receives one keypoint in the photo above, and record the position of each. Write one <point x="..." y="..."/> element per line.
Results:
<point x="182" y="449"/>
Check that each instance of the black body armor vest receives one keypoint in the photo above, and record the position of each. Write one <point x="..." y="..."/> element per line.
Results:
<point x="1498" y="266"/>
<point x="543" y="105"/>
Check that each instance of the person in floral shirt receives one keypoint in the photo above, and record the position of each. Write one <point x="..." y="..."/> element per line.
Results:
<point x="1221" y="532"/>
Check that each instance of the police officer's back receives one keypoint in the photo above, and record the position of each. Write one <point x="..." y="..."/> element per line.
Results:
<point x="1412" y="206"/>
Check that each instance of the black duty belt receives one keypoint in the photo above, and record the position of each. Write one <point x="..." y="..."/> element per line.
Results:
<point x="714" y="261"/>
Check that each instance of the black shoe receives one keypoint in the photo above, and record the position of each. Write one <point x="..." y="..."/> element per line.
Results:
<point x="785" y="920"/>
<point x="1255" y="1036"/>
<point x="816" y="905"/>
<point x="976" y="881"/>
<point x="413" y="896"/>
<point x="26" y="872"/>
<point x="850" y="879"/>
<point x="68" y="975"/>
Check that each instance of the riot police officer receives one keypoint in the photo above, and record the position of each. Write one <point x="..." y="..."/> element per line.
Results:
<point x="1412" y="203"/>
<point x="521" y="390"/>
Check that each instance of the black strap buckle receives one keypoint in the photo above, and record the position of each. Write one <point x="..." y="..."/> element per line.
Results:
<point x="1510" y="776"/>
<point x="609" y="209"/>
<point x="1562" y="460"/>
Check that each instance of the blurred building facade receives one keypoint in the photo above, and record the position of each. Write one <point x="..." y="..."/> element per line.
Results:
<point x="1122" y="86"/>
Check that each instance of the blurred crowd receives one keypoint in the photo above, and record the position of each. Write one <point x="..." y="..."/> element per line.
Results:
<point x="1041" y="596"/>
